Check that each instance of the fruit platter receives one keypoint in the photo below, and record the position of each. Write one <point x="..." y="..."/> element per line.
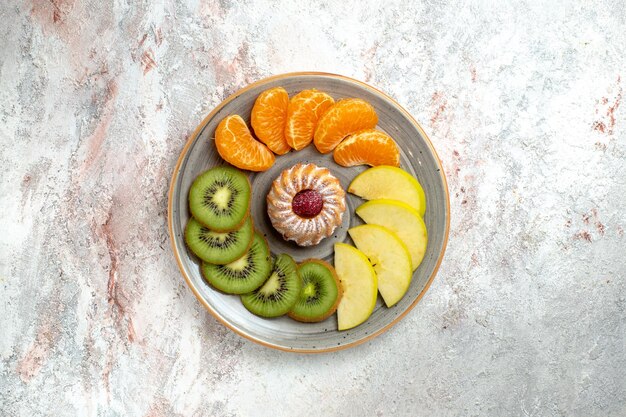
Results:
<point x="309" y="212"/>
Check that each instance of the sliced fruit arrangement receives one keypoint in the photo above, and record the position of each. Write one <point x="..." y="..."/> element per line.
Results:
<point x="389" y="182"/>
<point x="235" y="259"/>
<point x="321" y="292"/>
<point x="281" y="124"/>
<point x="238" y="261"/>
<point x="305" y="109"/>
<point x="268" y="118"/>
<point x="236" y="145"/>
<point x="389" y="246"/>
<point x="359" y="282"/>
<point x="221" y="231"/>
<point x="342" y="119"/>
<point x="367" y="147"/>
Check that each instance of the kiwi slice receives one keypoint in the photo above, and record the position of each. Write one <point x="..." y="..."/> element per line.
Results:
<point x="321" y="292"/>
<point x="244" y="275"/>
<point x="218" y="247"/>
<point x="220" y="198"/>
<point x="279" y="293"/>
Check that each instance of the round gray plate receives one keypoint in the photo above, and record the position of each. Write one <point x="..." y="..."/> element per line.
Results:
<point x="417" y="157"/>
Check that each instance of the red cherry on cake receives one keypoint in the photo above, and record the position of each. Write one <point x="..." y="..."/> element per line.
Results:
<point x="307" y="203"/>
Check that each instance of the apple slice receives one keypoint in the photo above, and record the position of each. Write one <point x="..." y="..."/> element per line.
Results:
<point x="401" y="219"/>
<point x="390" y="258"/>
<point x="359" y="283"/>
<point x="389" y="182"/>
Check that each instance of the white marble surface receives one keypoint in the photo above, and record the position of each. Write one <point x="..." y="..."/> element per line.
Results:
<point x="522" y="100"/>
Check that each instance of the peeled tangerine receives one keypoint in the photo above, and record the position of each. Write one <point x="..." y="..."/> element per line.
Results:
<point x="390" y="258"/>
<point x="369" y="147"/>
<point x="303" y="113"/>
<point x="344" y="118"/>
<point x="402" y="220"/>
<point x="235" y="144"/>
<point x="359" y="283"/>
<point x="268" y="118"/>
<point x="392" y="183"/>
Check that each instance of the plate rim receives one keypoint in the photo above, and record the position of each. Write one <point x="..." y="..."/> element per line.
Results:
<point x="196" y="133"/>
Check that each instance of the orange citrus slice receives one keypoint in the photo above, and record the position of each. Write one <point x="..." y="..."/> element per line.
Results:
<point x="305" y="109"/>
<point x="235" y="144"/>
<point x="369" y="146"/>
<point x="344" y="118"/>
<point x="268" y="118"/>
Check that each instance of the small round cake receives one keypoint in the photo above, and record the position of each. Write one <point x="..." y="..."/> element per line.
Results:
<point x="306" y="204"/>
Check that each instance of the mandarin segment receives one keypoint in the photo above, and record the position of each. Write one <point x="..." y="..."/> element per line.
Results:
<point x="367" y="147"/>
<point x="235" y="144"/>
<point x="342" y="119"/>
<point x="303" y="113"/>
<point x="268" y="118"/>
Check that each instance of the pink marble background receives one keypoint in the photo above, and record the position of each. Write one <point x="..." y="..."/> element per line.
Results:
<point x="522" y="100"/>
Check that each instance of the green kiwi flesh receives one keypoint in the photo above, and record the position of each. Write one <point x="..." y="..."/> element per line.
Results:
<point x="245" y="274"/>
<point x="220" y="198"/>
<point x="320" y="294"/>
<point x="217" y="247"/>
<point x="279" y="293"/>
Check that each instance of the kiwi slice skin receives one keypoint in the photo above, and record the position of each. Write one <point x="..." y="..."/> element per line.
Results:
<point x="219" y="198"/>
<point x="321" y="292"/>
<point x="279" y="293"/>
<point x="218" y="247"/>
<point x="245" y="274"/>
